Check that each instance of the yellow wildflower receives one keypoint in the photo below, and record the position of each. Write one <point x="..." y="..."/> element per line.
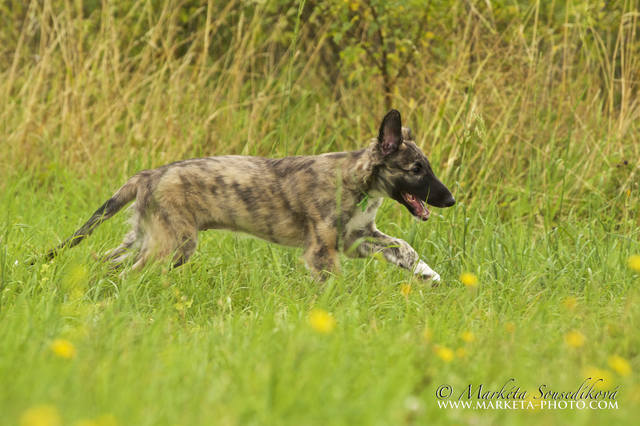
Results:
<point x="601" y="379"/>
<point x="63" y="348"/>
<point x="574" y="338"/>
<point x="75" y="278"/>
<point x="405" y="289"/>
<point x="321" y="321"/>
<point x="469" y="279"/>
<point x="444" y="353"/>
<point x="510" y="327"/>
<point x="427" y="334"/>
<point x="619" y="365"/>
<point x="634" y="262"/>
<point x="107" y="420"/>
<point x="41" y="415"/>
<point x="570" y="303"/>
<point x="183" y="304"/>
<point x="104" y="420"/>
<point x="535" y="403"/>
<point x="613" y="330"/>
<point x="468" y="336"/>
<point x="86" y="422"/>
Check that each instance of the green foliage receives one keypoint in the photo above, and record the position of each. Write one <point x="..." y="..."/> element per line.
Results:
<point x="375" y="38"/>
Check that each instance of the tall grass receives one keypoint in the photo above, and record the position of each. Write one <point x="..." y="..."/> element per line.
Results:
<point x="528" y="111"/>
<point x="133" y="85"/>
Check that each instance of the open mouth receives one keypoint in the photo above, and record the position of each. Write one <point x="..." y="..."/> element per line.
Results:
<point x="416" y="206"/>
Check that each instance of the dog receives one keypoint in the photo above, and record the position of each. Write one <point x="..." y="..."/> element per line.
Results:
<point x="324" y="203"/>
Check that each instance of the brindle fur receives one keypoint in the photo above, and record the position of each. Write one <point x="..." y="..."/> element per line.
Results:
<point x="313" y="202"/>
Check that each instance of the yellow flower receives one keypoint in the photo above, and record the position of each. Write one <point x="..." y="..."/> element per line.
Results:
<point x="619" y="365"/>
<point x="104" y="420"/>
<point x="63" y="348"/>
<point x="613" y="330"/>
<point x="468" y="336"/>
<point x="86" y="422"/>
<point x="321" y="321"/>
<point x="41" y="415"/>
<point x="405" y="289"/>
<point x="444" y="353"/>
<point x="634" y="262"/>
<point x="107" y="420"/>
<point x="601" y="379"/>
<point x="510" y="327"/>
<point x="570" y="303"/>
<point x="535" y="403"/>
<point x="75" y="278"/>
<point x="469" y="279"/>
<point x="427" y="334"/>
<point x="429" y="35"/>
<point x="183" y="304"/>
<point x="574" y="338"/>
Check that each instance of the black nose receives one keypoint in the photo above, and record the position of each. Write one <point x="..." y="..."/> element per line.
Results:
<point x="449" y="202"/>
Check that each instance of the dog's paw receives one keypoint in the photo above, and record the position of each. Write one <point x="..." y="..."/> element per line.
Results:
<point x="425" y="272"/>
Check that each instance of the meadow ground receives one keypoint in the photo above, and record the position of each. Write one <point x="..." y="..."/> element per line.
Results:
<point x="227" y="339"/>
<point x="536" y="136"/>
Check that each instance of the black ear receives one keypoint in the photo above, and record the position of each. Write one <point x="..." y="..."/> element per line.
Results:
<point x="390" y="136"/>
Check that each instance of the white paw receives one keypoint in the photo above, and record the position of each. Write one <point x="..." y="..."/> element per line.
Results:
<point x="426" y="272"/>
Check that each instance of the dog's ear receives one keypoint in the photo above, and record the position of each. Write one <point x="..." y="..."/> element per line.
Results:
<point x="390" y="135"/>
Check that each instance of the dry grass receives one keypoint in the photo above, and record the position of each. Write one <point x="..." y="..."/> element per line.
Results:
<point x="79" y="91"/>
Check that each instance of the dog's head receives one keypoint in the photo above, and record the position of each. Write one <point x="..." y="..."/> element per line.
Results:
<point x="403" y="171"/>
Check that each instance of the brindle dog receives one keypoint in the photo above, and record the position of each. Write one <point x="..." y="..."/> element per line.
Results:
<point x="323" y="203"/>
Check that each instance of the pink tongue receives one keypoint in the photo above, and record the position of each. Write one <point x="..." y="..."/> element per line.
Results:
<point x="420" y="209"/>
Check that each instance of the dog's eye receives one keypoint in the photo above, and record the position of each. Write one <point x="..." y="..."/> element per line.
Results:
<point x="417" y="168"/>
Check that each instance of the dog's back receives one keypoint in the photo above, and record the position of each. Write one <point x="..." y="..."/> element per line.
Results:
<point x="274" y="199"/>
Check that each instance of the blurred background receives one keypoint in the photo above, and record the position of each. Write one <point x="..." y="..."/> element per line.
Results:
<point x="536" y="98"/>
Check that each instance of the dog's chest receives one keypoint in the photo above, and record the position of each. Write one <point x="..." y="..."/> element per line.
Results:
<point x="364" y="218"/>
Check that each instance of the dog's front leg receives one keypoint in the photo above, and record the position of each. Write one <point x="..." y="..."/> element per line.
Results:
<point x="395" y="250"/>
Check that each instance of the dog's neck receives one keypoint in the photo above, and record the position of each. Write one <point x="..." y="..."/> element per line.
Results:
<point x="360" y="176"/>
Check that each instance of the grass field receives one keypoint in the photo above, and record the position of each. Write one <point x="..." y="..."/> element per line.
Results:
<point x="538" y="141"/>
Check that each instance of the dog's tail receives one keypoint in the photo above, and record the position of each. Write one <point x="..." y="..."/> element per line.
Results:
<point x="113" y="205"/>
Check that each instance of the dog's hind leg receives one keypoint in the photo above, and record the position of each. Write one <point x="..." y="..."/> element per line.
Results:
<point x="165" y="233"/>
<point x="143" y="257"/>
<point x="185" y="250"/>
<point x="124" y="250"/>
<point x="152" y="247"/>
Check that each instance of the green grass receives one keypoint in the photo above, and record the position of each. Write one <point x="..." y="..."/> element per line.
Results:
<point x="226" y="338"/>
<point x="528" y="112"/>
